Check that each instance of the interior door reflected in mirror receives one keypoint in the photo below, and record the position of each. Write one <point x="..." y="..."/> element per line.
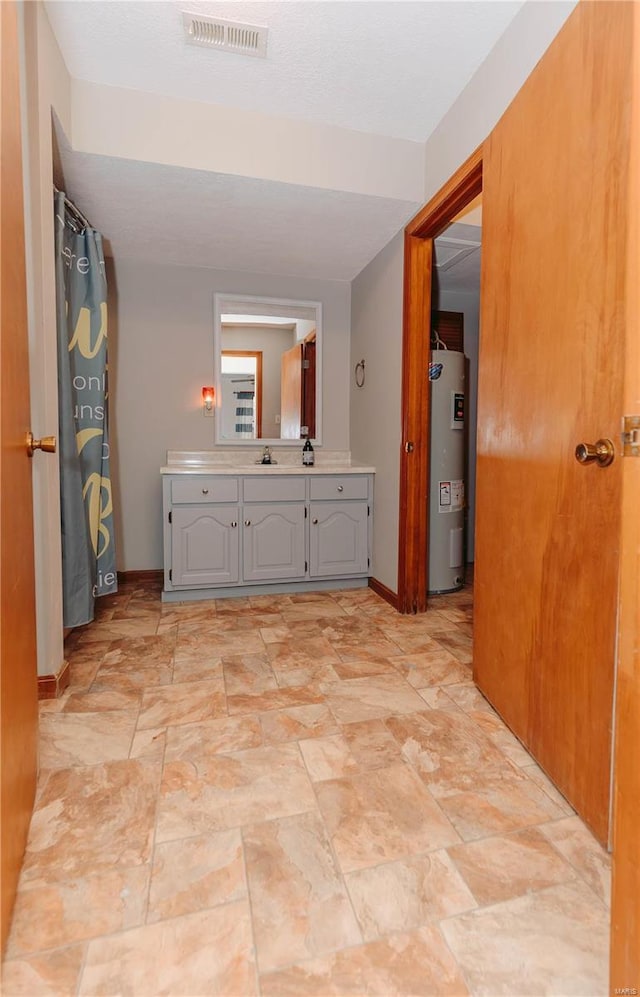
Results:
<point x="268" y="372"/>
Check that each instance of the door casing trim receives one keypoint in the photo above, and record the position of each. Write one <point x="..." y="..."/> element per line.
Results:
<point x="431" y="220"/>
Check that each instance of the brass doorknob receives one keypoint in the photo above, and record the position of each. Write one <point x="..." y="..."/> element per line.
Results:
<point x="602" y="453"/>
<point x="47" y="443"/>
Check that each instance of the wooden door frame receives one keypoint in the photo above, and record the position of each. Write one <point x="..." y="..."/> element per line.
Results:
<point x="431" y="220"/>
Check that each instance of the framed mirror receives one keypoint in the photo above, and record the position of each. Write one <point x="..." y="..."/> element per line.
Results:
<point x="267" y="370"/>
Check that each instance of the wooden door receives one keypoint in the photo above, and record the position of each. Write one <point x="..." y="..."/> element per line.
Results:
<point x="309" y="386"/>
<point x="19" y="704"/>
<point x="625" y="904"/>
<point x="555" y="218"/>
<point x="291" y="393"/>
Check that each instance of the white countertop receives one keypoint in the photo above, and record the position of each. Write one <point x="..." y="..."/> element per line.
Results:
<point x="234" y="462"/>
<point x="262" y="469"/>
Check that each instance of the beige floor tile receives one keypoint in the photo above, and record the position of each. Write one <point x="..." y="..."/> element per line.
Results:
<point x="432" y="667"/>
<point x="370" y="698"/>
<point x="402" y="895"/>
<point x="381" y="815"/>
<point x="449" y="751"/>
<point x="299" y="902"/>
<point x="276" y="634"/>
<point x="327" y="757"/>
<point x="498" y="732"/>
<point x="248" y="673"/>
<point x="99" y="702"/>
<point x="182" y="702"/>
<point x="371" y="744"/>
<point x="413" y="965"/>
<point x="225" y="640"/>
<point x="469" y="698"/>
<point x="149" y="743"/>
<point x="50" y="974"/>
<point x="535" y="773"/>
<point x="277" y="699"/>
<point x="218" y="792"/>
<point x="497" y="807"/>
<point x="68" y="739"/>
<point x="195" y="873"/>
<point x="202" y="954"/>
<point x="297" y="723"/>
<point x="117" y="630"/>
<point x="91" y="819"/>
<point x="292" y="654"/>
<point x="205" y="667"/>
<point x="50" y="917"/>
<point x="552" y="942"/>
<point x="131" y="680"/>
<point x="437" y="698"/>
<point x="199" y="741"/>
<point x="188" y="612"/>
<point x="508" y="866"/>
<point x="357" y="648"/>
<point x="359" y="667"/>
<point x="576" y="843"/>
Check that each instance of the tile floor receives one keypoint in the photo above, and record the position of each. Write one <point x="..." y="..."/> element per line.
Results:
<point x="296" y="795"/>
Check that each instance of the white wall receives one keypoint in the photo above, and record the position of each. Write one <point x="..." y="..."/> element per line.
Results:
<point x="46" y="85"/>
<point x="376" y="337"/>
<point x="130" y="124"/>
<point x="469" y="304"/>
<point x="161" y="354"/>
<point x="377" y="291"/>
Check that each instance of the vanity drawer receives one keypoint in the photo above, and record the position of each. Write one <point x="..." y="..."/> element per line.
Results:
<point x="274" y="489"/>
<point x="202" y="489"/>
<point x="345" y="486"/>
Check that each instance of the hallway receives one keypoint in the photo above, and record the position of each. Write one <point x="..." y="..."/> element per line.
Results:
<point x="296" y="795"/>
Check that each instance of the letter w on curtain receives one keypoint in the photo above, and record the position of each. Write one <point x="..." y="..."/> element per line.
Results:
<point x="88" y="547"/>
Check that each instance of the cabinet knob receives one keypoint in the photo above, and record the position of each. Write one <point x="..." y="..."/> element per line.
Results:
<point x="247" y="522"/>
<point x="234" y="524"/>
<point x="315" y="522"/>
<point x="340" y="488"/>
<point x="205" y="491"/>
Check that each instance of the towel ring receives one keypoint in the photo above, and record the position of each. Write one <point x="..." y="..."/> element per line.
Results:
<point x="359" y="374"/>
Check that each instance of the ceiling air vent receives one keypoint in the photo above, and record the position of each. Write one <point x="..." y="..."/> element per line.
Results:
<point x="226" y="36"/>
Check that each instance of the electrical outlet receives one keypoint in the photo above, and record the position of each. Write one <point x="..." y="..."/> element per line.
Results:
<point x="209" y="413"/>
<point x="278" y="419"/>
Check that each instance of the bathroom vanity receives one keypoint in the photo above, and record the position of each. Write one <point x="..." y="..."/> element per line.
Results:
<point x="254" y="529"/>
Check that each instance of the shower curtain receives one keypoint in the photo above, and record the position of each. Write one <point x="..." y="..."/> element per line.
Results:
<point x="88" y="547"/>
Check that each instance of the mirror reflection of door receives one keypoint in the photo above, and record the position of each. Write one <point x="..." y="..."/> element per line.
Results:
<point x="298" y="390"/>
<point x="241" y="408"/>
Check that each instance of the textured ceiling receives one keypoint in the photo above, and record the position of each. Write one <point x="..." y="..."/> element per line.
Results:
<point x="457" y="257"/>
<point x="392" y="68"/>
<point x="194" y="218"/>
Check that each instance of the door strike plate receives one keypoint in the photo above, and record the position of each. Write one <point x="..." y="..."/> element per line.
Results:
<point x="631" y="436"/>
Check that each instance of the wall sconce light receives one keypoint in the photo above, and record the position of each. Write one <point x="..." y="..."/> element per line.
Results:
<point x="208" y="395"/>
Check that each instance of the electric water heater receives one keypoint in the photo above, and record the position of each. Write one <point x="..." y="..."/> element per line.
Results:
<point x="446" y="488"/>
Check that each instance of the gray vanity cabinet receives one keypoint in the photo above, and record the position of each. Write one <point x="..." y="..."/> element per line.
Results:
<point x="273" y="529"/>
<point x="339" y="526"/>
<point x="273" y="539"/>
<point x="205" y="548"/>
<point x="204" y="534"/>
<point x="234" y="534"/>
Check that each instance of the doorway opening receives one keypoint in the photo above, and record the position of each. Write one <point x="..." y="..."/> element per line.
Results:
<point x="463" y="187"/>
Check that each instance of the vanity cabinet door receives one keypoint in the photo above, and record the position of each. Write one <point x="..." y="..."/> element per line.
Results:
<point x="273" y="541"/>
<point x="338" y="539"/>
<point x="205" y="548"/>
